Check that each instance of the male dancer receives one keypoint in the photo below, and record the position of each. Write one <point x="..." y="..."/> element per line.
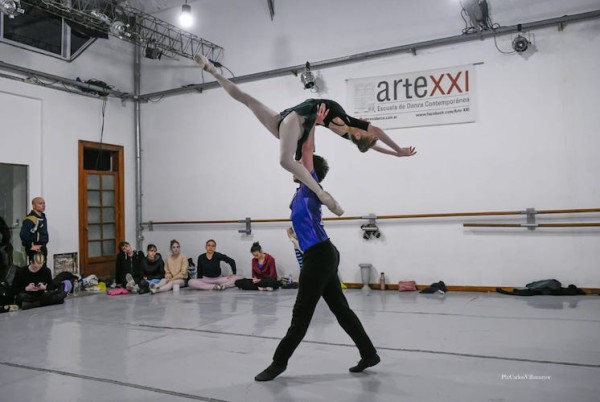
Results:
<point x="319" y="275"/>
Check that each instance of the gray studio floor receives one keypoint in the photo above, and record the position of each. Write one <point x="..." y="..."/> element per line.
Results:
<point x="196" y="345"/>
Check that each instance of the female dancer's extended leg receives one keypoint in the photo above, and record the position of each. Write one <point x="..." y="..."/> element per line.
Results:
<point x="289" y="132"/>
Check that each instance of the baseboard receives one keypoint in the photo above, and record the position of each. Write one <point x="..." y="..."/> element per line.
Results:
<point x="458" y="288"/>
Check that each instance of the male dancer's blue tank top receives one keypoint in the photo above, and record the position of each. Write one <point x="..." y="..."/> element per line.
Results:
<point x="306" y="217"/>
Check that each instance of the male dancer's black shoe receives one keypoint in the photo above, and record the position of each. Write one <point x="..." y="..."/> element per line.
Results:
<point x="270" y="372"/>
<point x="365" y="363"/>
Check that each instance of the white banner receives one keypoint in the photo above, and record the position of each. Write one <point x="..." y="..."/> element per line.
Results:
<point x="423" y="98"/>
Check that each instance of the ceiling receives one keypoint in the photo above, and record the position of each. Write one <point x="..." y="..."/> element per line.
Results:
<point x="154" y="6"/>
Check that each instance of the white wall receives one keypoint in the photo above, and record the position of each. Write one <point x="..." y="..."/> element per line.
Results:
<point x="533" y="145"/>
<point x="41" y="128"/>
<point x="205" y="157"/>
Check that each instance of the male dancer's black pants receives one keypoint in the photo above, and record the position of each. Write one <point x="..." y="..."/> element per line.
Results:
<point x="319" y="278"/>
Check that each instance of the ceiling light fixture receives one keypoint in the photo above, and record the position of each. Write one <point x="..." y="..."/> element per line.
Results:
<point x="11" y="8"/>
<point x="120" y="29"/>
<point x="185" y="18"/>
<point x="152" y="51"/>
<point x="101" y="16"/>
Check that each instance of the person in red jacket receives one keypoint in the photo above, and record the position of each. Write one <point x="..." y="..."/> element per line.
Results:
<point x="264" y="272"/>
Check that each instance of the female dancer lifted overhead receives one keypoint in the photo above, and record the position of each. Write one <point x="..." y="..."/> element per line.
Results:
<point x="293" y="126"/>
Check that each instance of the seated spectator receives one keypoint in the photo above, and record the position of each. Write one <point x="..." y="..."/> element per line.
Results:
<point x="153" y="266"/>
<point x="264" y="272"/>
<point x="176" y="270"/>
<point x="209" y="270"/>
<point x="128" y="270"/>
<point x="33" y="285"/>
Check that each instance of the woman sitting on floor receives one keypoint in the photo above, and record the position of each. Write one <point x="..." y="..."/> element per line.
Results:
<point x="264" y="272"/>
<point x="209" y="270"/>
<point x="33" y="285"/>
<point x="176" y="270"/>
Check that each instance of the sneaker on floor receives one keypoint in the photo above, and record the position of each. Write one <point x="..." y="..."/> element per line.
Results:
<point x="268" y="289"/>
<point x="219" y="287"/>
<point x="130" y="282"/>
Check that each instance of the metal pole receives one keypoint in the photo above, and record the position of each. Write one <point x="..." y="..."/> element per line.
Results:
<point x="66" y="81"/>
<point x="139" y="229"/>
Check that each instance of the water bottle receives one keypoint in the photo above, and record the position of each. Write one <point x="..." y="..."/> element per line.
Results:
<point x="382" y="281"/>
<point x="76" y="287"/>
<point x="290" y="280"/>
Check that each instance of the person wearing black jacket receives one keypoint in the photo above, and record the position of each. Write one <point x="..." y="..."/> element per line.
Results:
<point x="34" y="232"/>
<point x="33" y="285"/>
<point x="209" y="270"/>
<point x="129" y="261"/>
<point x="153" y="266"/>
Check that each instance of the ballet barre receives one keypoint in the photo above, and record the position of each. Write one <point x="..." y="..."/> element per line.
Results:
<point x="530" y="213"/>
<point x="528" y="225"/>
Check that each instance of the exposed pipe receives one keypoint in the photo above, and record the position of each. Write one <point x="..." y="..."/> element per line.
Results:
<point x="83" y="85"/>
<point x="411" y="48"/>
<point x="139" y="229"/>
<point x="528" y="225"/>
<point x="409" y="216"/>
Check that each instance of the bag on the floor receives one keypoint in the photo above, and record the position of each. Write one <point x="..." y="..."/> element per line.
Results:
<point x="407" y="286"/>
<point x="438" y="287"/>
<point x="192" y="270"/>
<point x="287" y="283"/>
<point x="59" y="280"/>
<point x="546" y="284"/>
<point x="117" y="292"/>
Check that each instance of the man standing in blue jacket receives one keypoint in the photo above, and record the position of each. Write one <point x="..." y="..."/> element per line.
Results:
<point x="34" y="232"/>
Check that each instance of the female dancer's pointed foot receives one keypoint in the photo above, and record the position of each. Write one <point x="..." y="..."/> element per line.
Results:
<point x="205" y="64"/>
<point x="270" y="372"/>
<point x="330" y="203"/>
<point x="364" y="364"/>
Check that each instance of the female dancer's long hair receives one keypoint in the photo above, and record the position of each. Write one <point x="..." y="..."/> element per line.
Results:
<point x="364" y="143"/>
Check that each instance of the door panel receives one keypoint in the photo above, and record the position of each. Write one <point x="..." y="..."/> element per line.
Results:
<point x="101" y="200"/>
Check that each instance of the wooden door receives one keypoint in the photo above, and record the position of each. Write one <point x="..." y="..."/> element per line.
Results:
<point x="101" y="207"/>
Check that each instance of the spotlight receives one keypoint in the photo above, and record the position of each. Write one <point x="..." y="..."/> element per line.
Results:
<point x="101" y="16"/>
<point x="119" y="28"/>
<point x="152" y="52"/>
<point x="307" y="77"/>
<point x="185" y="18"/>
<point x="370" y="230"/>
<point x="520" y="44"/>
<point x="11" y="8"/>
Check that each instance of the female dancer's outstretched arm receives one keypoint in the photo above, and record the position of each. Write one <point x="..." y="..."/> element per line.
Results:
<point x="394" y="148"/>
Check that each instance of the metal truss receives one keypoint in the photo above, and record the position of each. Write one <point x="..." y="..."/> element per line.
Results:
<point x="118" y="19"/>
